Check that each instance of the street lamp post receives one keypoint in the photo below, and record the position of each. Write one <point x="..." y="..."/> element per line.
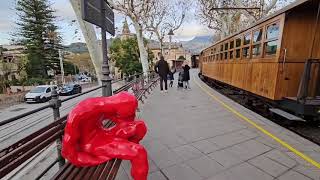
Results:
<point x="61" y="66"/>
<point x="170" y="40"/>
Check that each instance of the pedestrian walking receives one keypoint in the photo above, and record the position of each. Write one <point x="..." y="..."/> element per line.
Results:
<point x="162" y="68"/>
<point x="186" y="76"/>
<point x="171" y="75"/>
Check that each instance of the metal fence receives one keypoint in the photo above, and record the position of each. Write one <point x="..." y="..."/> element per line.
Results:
<point x="137" y="83"/>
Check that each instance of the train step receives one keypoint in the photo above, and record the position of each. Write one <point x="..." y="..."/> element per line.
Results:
<point x="286" y="115"/>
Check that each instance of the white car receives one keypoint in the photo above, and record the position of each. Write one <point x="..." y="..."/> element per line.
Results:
<point x="39" y="94"/>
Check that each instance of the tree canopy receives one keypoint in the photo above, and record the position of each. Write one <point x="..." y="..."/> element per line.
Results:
<point x="125" y="54"/>
<point x="35" y="23"/>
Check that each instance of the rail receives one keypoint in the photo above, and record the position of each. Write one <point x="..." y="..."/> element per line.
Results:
<point x="14" y="155"/>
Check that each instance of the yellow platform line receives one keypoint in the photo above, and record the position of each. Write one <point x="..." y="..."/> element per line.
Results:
<point x="283" y="143"/>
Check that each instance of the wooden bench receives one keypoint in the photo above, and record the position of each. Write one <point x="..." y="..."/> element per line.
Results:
<point x="18" y="153"/>
<point x="105" y="171"/>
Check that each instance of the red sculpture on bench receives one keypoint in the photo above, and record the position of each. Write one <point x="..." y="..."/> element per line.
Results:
<point x="87" y="143"/>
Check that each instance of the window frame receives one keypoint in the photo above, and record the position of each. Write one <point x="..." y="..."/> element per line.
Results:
<point x="238" y="48"/>
<point x="266" y="40"/>
<point x="232" y="41"/>
<point x="249" y="32"/>
<point x="261" y="43"/>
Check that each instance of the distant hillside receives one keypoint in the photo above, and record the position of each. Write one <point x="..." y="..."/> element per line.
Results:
<point x="198" y="43"/>
<point x="78" y="47"/>
<point x="195" y="45"/>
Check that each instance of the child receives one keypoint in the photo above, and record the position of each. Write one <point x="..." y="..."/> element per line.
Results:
<point x="180" y="80"/>
<point x="171" y="76"/>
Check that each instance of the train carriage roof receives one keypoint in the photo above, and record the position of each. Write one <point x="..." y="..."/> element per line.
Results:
<point x="283" y="10"/>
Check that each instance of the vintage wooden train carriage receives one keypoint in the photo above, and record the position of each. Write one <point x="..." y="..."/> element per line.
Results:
<point x="268" y="59"/>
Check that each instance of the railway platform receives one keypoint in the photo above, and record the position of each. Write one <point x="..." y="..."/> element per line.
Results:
<point x="200" y="134"/>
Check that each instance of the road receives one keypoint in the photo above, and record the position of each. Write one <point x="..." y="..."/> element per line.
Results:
<point x="19" y="129"/>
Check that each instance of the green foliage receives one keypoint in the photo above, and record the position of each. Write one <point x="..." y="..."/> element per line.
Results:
<point x="70" y="68"/>
<point x="182" y="58"/>
<point x="29" y="82"/>
<point x="125" y="53"/>
<point x="34" y="24"/>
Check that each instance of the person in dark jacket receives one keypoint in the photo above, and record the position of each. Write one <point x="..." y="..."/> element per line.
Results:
<point x="162" y="68"/>
<point x="186" y="76"/>
<point x="171" y="75"/>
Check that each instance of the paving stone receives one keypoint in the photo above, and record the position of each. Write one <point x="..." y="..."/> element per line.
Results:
<point x="122" y="175"/>
<point x="248" y="149"/>
<point x="292" y="175"/>
<point x="172" y="141"/>
<point x="187" y="152"/>
<point x="205" y="146"/>
<point x="229" y="139"/>
<point x="181" y="172"/>
<point x="154" y="145"/>
<point x="281" y="158"/>
<point x="246" y="171"/>
<point x="225" y="175"/>
<point x="269" y="166"/>
<point x="225" y="158"/>
<point x="309" y="171"/>
<point x="156" y="176"/>
<point x="165" y="158"/>
<point x="205" y="166"/>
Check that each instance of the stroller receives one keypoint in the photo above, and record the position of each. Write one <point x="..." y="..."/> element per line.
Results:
<point x="180" y="80"/>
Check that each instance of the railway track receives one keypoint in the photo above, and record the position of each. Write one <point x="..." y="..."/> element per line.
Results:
<point x="14" y="131"/>
<point x="308" y="130"/>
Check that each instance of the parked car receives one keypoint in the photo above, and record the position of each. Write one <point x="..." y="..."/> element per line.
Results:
<point x="39" y="94"/>
<point x="70" y="89"/>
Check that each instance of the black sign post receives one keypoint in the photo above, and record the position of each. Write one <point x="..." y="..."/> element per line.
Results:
<point x="99" y="13"/>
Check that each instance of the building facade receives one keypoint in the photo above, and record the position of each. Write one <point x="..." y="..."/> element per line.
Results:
<point x="176" y="55"/>
<point x="10" y="57"/>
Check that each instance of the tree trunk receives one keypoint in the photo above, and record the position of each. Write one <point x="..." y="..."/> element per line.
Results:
<point x="91" y="39"/>
<point x="160" y="39"/>
<point x="142" y="48"/>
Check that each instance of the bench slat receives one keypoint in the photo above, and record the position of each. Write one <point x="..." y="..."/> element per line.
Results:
<point x="31" y="152"/>
<point x="61" y="171"/>
<point x="66" y="173"/>
<point x="114" y="170"/>
<point x="81" y="173"/>
<point x="14" y="154"/>
<point x="106" y="170"/>
<point x="100" y="169"/>
<point x="73" y="173"/>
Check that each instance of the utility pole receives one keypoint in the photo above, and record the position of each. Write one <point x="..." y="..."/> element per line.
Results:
<point x="61" y="66"/>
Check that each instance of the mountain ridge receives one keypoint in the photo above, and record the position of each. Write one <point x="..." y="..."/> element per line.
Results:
<point x="195" y="45"/>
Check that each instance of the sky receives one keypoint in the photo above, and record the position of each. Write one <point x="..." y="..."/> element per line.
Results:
<point x="65" y="14"/>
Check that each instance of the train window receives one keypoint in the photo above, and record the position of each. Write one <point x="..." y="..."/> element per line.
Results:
<point x="231" y="54"/>
<point x="238" y="42"/>
<point x="226" y="46"/>
<point x="257" y="36"/>
<point x="256" y="50"/>
<point x="226" y="55"/>
<point x="245" y="52"/>
<point x="238" y="53"/>
<point x="231" y="44"/>
<point x="271" y="47"/>
<point x="246" y="39"/>
<point x="273" y="31"/>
